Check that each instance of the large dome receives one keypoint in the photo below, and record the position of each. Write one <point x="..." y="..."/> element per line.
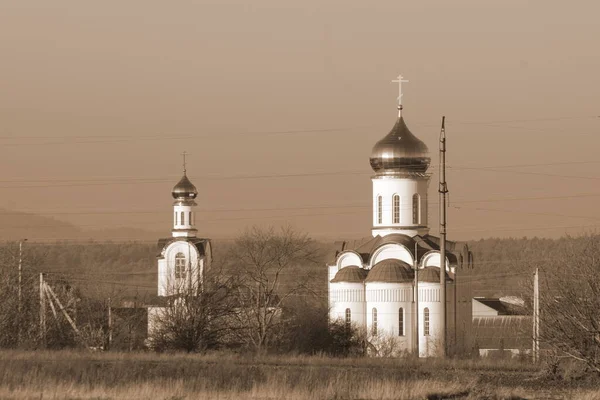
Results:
<point x="352" y="273"/>
<point x="184" y="189"/>
<point x="390" y="271"/>
<point x="400" y="152"/>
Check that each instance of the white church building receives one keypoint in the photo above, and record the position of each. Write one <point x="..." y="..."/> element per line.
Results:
<point x="371" y="282"/>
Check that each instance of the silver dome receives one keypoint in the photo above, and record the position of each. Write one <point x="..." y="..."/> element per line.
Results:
<point x="400" y="152"/>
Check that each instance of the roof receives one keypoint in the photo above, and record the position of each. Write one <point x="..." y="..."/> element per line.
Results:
<point x="502" y="307"/>
<point x="431" y="274"/>
<point x="502" y="332"/>
<point x="352" y="273"/>
<point x="199" y="243"/>
<point x="366" y="246"/>
<point x="390" y="271"/>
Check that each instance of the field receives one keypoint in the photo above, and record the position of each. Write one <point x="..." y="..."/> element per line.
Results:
<point x="84" y="375"/>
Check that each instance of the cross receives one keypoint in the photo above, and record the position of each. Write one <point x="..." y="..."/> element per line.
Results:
<point x="400" y="80"/>
<point x="185" y="153"/>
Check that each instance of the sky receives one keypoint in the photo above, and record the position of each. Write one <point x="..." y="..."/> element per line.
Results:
<point x="279" y="103"/>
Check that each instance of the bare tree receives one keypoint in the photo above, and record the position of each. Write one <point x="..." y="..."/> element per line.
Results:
<point x="269" y="265"/>
<point x="570" y="302"/>
<point x="195" y="322"/>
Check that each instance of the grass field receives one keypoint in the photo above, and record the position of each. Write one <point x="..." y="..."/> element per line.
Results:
<point x="84" y="375"/>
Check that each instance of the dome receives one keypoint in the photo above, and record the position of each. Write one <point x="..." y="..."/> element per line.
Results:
<point x="400" y="151"/>
<point x="351" y="273"/>
<point x="431" y="274"/>
<point x="390" y="271"/>
<point x="184" y="189"/>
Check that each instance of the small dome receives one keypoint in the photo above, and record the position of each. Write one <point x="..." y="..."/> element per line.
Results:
<point x="390" y="271"/>
<point x="184" y="189"/>
<point x="351" y="273"/>
<point x="431" y="274"/>
<point x="400" y="151"/>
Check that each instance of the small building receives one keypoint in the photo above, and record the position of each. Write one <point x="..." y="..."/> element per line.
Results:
<point x="501" y="327"/>
<point x="182" y="258"/>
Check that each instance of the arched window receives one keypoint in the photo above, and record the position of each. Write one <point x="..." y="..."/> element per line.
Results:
<point x="401" y="322"/>
<point x="379" y="209"/>
<point x="348" y="318"/>
<point x="416" y="205"/>
<point x="182" y="218"/>
<point x="190" y="218"/>
<point x="179" y="266"/>
<point x="175" y="217"/>
<point x="374" y="325"/>
<point x="396" y="209"/>
<point x="426" y="321"/>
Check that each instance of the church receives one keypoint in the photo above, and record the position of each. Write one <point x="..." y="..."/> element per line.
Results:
<point x="371" y="282"/>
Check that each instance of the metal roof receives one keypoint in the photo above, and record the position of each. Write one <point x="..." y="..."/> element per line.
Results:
<point x="352" y="273"/>
<point x="390" y="271"/>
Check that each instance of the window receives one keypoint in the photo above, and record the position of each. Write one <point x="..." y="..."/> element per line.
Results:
<point x="348" y="318"/>
<point x="401" y="322"/>
<point x="190" y="218"/>
<point x="396" y="209"/>
<point x="416" y="208"/>
<point x="180" y="266"/>
<point x="426" y="321"/>
<point x="175" y="217"/>
<point x="374" y="326"/>
<point x="379" y="209"/>
<point x="182" y="218"/>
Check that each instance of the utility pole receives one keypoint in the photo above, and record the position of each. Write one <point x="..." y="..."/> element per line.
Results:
<point x="20" y="288"/>
<point x="443" y="190"/>
<point x="109" y="325"/>
<point x="416" y="305"/>
<point x="42" y="310"/>
<point x="536" y="316"/>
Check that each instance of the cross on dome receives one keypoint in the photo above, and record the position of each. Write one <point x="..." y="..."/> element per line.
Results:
<point x="399" y="80"/>
<point x="185" y="153"/>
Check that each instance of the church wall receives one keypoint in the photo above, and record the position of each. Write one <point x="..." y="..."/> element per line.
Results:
<point x="349" y="258"/>
<point x="167" y="283"/>
<point x="429" y="297"/>
<point x="343" y="295"/>
<point x="388" y="298"/>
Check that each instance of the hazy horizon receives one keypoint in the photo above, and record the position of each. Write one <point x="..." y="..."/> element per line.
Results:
<point x="280" y="103"/>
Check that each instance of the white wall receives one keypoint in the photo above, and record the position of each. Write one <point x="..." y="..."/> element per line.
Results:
<point x="388" y="298"/>
<point x="481" y="310"/>
<point x="167" y="284"/>
<point x="343" y="295"/>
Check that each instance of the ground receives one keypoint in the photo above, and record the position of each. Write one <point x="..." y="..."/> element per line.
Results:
<point x="86" y="375"/>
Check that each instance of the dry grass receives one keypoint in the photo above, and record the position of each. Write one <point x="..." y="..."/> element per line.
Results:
<point x="81" y="375"/>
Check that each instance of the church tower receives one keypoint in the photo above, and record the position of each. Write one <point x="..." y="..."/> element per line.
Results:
<point x="183" y="257"/>
<point x="400" y="162"/>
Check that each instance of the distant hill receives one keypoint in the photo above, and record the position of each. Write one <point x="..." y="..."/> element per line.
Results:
<point x="15" y="225"/>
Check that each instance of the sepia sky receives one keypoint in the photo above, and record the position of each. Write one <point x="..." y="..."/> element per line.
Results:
<point x="280" y="102"/>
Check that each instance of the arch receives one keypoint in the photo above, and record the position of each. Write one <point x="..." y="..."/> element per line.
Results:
<point x="432" y="259"/>
<point x="347" y="258"/>
<point x="180" y="270"/>
<point x="416" y="209"/>
<point x="426" y="327"/>
<point x="374" y="322"/>
<point x="182" y="218"/>
<point x="396" y="208"/>
<point x="379" y="209"/>
<point x="401" y="322"/>
<point x="348" y="318"/>
<point x="175" y="217"/>
<point x="391" y="250"/>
